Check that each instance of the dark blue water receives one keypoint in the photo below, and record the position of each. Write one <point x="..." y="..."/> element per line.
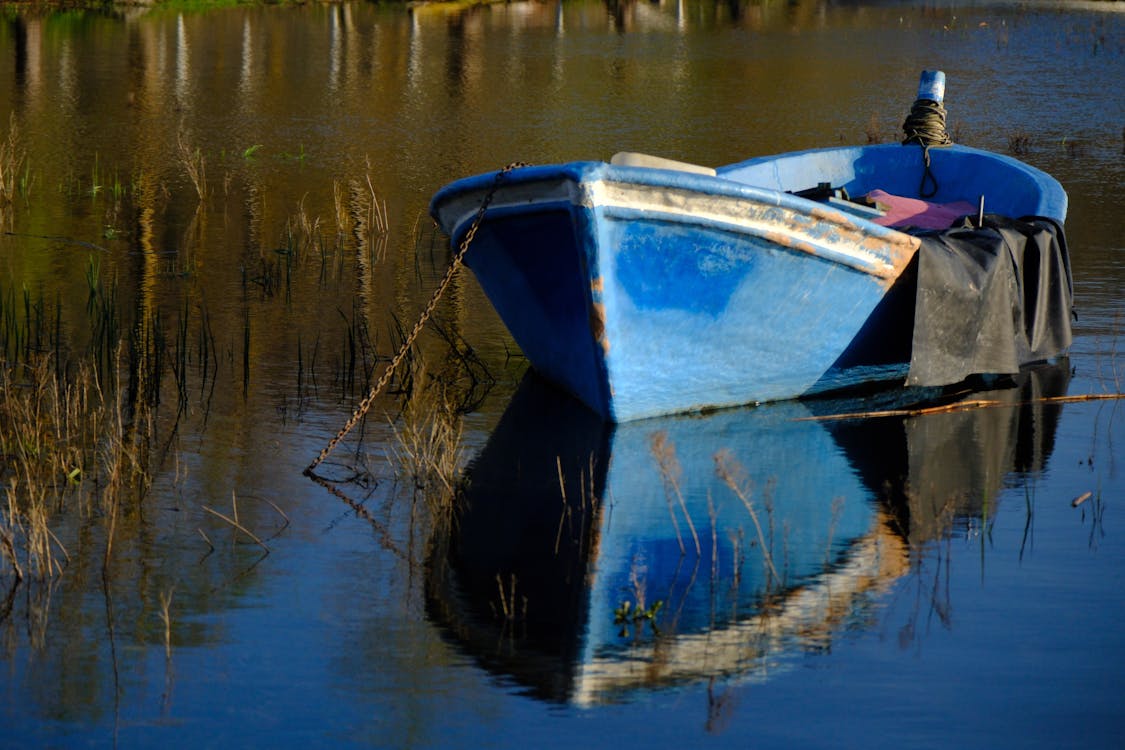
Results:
<point x="932" y="583"/>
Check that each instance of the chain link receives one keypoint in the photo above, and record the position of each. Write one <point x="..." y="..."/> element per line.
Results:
<point x="458" y="258"/>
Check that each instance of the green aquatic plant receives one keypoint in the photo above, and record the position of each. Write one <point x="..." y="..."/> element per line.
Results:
<point x="95" y="178"/>
<point x="628" y="615"/>
<point x="118" y="188"/>
<point x="299" y="157"/>
<point x="27" y="180"/>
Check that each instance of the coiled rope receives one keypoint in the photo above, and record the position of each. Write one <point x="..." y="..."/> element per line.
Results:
<point x="925" y="125"/>
<point x="458" y="259"/>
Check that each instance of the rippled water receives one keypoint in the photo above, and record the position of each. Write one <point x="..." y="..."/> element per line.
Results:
<point x="931" y="584"/>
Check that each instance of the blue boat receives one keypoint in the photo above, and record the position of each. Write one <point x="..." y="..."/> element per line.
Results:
<point x="645" y="286"/>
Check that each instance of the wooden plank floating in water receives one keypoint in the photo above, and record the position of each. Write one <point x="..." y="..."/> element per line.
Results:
<point x="964" y="406"/>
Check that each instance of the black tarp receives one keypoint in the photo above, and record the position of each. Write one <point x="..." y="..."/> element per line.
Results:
<point x="990" y="298"/>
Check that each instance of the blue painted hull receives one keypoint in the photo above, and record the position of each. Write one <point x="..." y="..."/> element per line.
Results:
<point x="649" y="291"/>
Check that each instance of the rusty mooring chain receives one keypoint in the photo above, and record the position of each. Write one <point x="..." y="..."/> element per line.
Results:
<point x="458" y="259"/>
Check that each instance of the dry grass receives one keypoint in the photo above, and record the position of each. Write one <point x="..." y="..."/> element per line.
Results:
<point x="41" y="461"/>
<point x="12" y="157"/>
<point x="512" y="606"/>
<point x="68" y="450"/>
<point x="360" y="210"/>
<point x="166" y="620"/>
<point x="303" y="230"/>
<point x="670" y="473"/>
<point x="367" y="211"/>
<point x="195" y="165"/>
<point x="574" y="524"/>
<point x="873" y="131"/>
<point x="734" y="476"/>
<point x="427" y="448"/>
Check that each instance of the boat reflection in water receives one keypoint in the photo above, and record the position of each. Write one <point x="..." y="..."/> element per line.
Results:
<point x="589" y="560"/>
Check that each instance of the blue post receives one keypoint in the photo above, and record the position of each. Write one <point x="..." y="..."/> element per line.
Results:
<point x="932" y="86"/>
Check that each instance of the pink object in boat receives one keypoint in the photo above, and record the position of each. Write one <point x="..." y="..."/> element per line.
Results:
<point x="902" y="211"/>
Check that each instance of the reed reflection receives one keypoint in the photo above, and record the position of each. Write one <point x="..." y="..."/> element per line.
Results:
<point x="590" y="561"/>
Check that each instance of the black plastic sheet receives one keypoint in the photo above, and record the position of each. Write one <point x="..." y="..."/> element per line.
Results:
<point x="990" y="298"/>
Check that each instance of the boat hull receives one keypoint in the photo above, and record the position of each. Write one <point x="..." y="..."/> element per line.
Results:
<point x="643" y="294"/>
<point x="647" y="291"/>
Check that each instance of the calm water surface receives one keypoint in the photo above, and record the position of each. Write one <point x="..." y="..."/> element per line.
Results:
<point x="931" y="583"/>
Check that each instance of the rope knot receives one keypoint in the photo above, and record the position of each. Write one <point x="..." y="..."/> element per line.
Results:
<point x="925" y="125"/>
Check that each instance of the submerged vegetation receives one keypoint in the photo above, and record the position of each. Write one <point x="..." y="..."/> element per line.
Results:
<point x="74" y="458"/>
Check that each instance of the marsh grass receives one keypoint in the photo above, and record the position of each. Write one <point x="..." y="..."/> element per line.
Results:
<point x="465" y="377"/>
<point x="239" y="526"/>
<point x="69" y="452"/>
<point x="1019" y="143"/>
<point x="837" y="513"/>
<point x="632" y="614"/>
<point x="166" y="620"/>
<point x="91" y="397"/>
<point x="13" y="175"/>
<point x="14" y="324"/>
<point x="356" y="361"/>
<point x="102" y="312"/>
<point x="427" y="452"/>
<point x="308" y="248"/>
<point x="576" y="515"/>
<point x="367" y="210"/>
<point x="427" y="447"/>
<point x="512" y="606"/>
<point x="340" y="212"/>
<point x="195" y="166"/>
<point x="873" y="131"/>
<point x="93" y="387"/>
<point x="733" y="474"/>
<point x="671" y="474"/>
<point x="77" y="428"/>
<point x="303" y="231"/>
